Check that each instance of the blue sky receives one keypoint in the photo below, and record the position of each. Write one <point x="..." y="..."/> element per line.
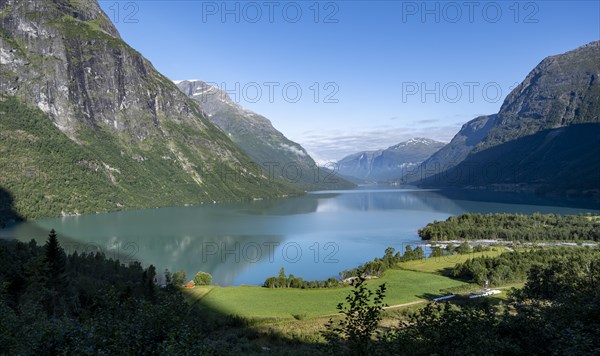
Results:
<point x="339" y="77"/>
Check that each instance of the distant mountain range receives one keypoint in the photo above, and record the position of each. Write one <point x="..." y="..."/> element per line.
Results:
<point x="389" y="163"/>
<point x="545" y="138"/>
<point x="257" y="137"/>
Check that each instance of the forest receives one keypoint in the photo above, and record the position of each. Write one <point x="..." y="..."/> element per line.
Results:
<point x="514" y="227"/>
<point x="514" y="266"/>
<point x="54" y="303"/>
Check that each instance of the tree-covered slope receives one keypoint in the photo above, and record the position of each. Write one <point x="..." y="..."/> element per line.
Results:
<point x="560" y="161"/>
<point x="49" y="174"/>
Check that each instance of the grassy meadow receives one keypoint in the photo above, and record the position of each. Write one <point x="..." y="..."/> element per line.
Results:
<point x="411" y="281"/>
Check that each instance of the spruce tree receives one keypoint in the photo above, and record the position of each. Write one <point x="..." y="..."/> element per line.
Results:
<point x="54" y="257"/>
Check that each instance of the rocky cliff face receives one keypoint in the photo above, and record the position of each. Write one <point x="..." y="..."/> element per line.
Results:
<point x="390" y="163"/>
<point x="65" y="58"/>
<point x="257" y="137"/>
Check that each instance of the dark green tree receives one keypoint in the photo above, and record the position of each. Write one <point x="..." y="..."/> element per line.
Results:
<point x="281" y="279"/>
<point x="168" y="277"/>
<point x="55" y="257"/>
<point x="179" y="278"/>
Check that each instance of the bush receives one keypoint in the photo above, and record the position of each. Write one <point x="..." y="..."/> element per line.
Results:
<point x="202" y="279"/>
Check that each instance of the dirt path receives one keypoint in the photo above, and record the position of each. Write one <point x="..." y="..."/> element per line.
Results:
<point x="386" y="308"/>
<point x="405" y="304"/>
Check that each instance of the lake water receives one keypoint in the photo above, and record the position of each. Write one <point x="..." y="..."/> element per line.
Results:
<point x="314" y="236"/>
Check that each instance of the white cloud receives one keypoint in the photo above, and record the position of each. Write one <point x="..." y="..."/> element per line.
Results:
<point x="333" y="145"/>
<point x="293" y="149"/>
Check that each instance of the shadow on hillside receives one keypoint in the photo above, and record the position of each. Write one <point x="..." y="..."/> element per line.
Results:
<point x="8" y="214"/>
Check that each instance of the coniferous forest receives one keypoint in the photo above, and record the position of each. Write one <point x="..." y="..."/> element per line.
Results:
<point x="514" y="227"/>
<point x="54" y="303"/>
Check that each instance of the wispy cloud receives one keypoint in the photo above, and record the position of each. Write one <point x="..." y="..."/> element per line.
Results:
<point x="427" y="121"/>
<point x="333" y="145"/>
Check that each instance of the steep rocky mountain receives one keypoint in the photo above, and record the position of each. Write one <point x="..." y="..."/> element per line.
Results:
<point x="88" y="124"/>
<point x="257" y="137"/>
<point x="562" y="90"/>
<point x="470" y="134"/>
<point x="545" y="137"/>
<point x="389" y="163"/>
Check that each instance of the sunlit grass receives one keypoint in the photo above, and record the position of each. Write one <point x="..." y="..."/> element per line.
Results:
<point x="439" y="264"/>
<point x="252" y="302"/>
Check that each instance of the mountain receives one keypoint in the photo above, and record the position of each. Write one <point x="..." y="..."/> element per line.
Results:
<point x="390" y="163"/>
<point x="470" y="134"/>
<point x="562" y="90"/>
<point x="257" y="137"/>
<point x="546" y="135"/>
<point x="88" y="124"/>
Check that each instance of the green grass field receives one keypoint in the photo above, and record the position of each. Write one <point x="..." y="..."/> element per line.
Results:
<point x="412" y="281"/>
<point x="439" y="264"/>
<point x="253" y="302"/>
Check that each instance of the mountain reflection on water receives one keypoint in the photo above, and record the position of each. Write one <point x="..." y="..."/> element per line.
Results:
<point x="314" y="236"/>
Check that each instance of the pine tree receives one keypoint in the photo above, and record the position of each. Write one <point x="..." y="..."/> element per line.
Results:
<point x="54" y="257"/>
<point x="55" y="263"/>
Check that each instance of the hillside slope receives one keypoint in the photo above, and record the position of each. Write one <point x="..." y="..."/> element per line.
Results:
<point x="89" y="125"/>
<point x="257" y="137"/>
